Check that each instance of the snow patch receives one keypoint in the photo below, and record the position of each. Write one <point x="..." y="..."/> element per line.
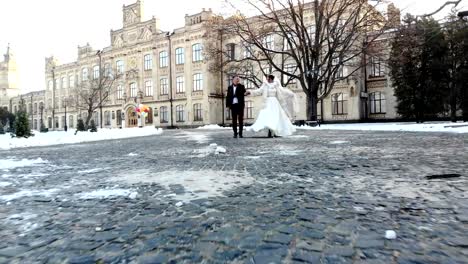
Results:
<point x="62" y="137"/>
<point x="12" y="163"/>
<point x="213" y="127"/>
<point x="95" y="170"/>
<point x="197" y="184"/>
<point x="132" y="154"/>
<point x="193" y="136"/>
<point x="447" y="127"/>
<point x="338" y="142"/>
<point x="5" y="184"/>
<point x="107" y="193"/>
<point x="28" y="193"/>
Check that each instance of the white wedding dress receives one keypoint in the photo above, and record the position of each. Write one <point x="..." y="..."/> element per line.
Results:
<point x="273" y="115"/>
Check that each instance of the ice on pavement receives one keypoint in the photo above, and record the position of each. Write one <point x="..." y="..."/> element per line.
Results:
<point x="28" y="193"/>
<point x="197" y="184"/>
<point x="199" y="137"/>
<point x="107" y="193"/>
<point x="6" y="164"/>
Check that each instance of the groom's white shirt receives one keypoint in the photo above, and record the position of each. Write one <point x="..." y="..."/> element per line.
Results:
<point x="234" y="100"/>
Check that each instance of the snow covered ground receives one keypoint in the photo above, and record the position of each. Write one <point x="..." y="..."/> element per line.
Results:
<point x="410" y="127"/>
<point x="62" y="137"/>
<point x="400" y="126"/>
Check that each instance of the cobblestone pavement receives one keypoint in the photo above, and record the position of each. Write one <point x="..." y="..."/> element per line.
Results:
<point x="316" y="197"/>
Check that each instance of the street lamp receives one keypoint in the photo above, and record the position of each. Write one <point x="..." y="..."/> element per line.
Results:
<point x="99" y="54"/>
<point x="65" y="102"/>
<point x="41" y="108"/>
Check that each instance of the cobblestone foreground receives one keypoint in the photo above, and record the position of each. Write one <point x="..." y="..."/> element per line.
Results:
<point x="316" y="197"/>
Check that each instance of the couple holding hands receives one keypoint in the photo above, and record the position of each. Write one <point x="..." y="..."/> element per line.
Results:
<point x="279" y="107"/>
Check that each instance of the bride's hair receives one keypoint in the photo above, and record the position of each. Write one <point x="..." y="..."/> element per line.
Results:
<point x="271" y="77"/>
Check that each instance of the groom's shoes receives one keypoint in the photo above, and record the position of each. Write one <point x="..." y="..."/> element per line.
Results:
<point x="235" y="136"/>
<point x="240" y="136"/>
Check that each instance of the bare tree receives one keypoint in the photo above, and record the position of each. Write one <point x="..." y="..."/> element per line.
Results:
<point x="94" y="92"/>
<point x="321" y="42"/>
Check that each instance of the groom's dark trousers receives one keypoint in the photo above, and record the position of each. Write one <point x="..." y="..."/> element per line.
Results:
<point x="237" y="112"/>
<point x="237" y="109"/>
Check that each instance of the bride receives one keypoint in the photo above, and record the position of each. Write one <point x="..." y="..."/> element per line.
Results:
<point x="279" y="107"/>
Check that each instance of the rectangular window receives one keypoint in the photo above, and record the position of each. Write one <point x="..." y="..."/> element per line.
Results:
<point x="248" y="110"/>
<point x="180" y="57"/>
<point x="340" y="70"/>
<point x="148" y="62"/>
<point x="163" y="59"/>
<point x="339" y="104"/>
<point x="248" y="80"/>
<point x="107" y="118"/>
<point x="231" y="51"/>
<point x="64" y="82"/>
<point x="287" y="40"/>
<point x="133" y="90"/>
<point x="84" y="74"/>
<point x="50" y="85"/>
<point x="377" y="67"/>
<point x="290" y="68"/>
<point x="95" y="72"/>
<point x="197" y="52"/>
<point x="107" y="70"/>
<point x="197" y="82"/>
<point x="247" y="51"/>
<point x="120" y="66"/>
<point x="197" y="112"/>
<point x="71" y="81"/>
<point x="149" y="88"/>
<point x="120" y="92"/>
<point x="311" y="30"/>
<point x="163" y="114"/>
<point x="268" y="42"/>
<point x="180" y="115"/>
<point x="180" y="87"/>
<point x="377" y="103"/>
<point x="164" y="86"/>
<point x="71" y="122"/>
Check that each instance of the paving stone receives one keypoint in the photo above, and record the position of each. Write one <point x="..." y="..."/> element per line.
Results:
<point x="304" y="199"/>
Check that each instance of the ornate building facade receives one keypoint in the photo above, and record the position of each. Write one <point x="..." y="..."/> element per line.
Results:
<point x="167" y="71"/>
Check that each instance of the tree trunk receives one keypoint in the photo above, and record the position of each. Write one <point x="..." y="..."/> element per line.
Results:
<point x="88" y="118"/>
<point x="311" y="107"/>
<point x="453" y="102"/>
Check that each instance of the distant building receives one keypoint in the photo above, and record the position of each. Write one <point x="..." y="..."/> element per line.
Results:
<point x="167" y="71"/>
<point x="8" y="79"/>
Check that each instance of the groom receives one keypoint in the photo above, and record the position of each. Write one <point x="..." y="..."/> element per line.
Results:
<point x="235" y="101"/>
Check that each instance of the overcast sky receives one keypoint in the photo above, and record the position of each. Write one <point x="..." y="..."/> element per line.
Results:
<point x="39" y="28"/>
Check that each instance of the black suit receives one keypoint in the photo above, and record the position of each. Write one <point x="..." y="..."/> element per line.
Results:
<point x="237" y="110"/>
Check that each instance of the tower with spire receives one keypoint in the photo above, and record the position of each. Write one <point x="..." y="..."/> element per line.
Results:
<point x="8" y="77"/>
